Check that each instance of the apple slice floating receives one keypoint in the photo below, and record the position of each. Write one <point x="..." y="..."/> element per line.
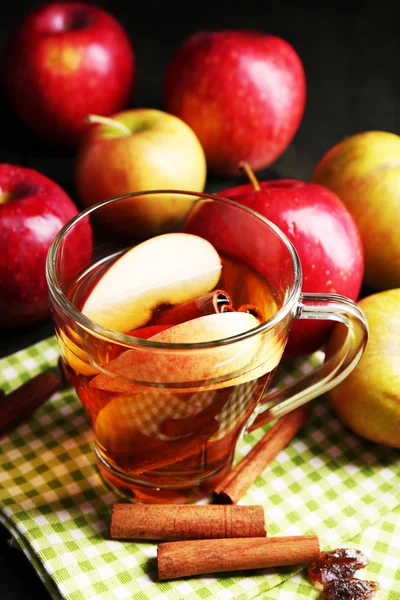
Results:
<point x="121" y="420"/>
<point x="213" y="368"/>
<point x="167" y="269"/>
<point x="73" y="354"/>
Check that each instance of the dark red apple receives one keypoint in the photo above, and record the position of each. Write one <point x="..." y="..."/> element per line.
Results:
<point x="64" y="61"/>
<point x="32" y="211"/>
<point x="325" y="236"/>
<point x="242" y="92"/>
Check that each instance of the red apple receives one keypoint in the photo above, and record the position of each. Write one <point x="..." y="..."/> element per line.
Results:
<point x="325" y="236"/>
<point x="242" y="92"/>
<point x="32" y="211"/>
<point x="64" y="61"/>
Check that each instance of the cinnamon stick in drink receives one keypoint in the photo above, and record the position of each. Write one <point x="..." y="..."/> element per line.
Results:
<point x="186" y="522"/>
<point x="182" y="559"/>
<point x="251" y="309"/>
<point x="231" y="489"/>
<point x="209" y="304"/>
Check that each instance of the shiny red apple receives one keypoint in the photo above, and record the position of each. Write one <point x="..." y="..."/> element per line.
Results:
<point x="32" y="211"/>
<point x="325" y="236"/>
<point x="64" y="61"/>
<point x="242" y="92"/>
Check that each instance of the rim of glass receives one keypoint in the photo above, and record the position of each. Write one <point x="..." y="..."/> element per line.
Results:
<point x="128" y="340"/>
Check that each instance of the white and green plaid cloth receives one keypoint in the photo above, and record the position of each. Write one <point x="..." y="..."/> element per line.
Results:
<point x="327" y="481"/>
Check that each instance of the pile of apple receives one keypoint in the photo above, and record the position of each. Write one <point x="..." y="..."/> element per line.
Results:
<point x="231" y="98"/>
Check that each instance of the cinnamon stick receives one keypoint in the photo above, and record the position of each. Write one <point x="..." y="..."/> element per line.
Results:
<point x="186" y="522"/>
<point x="209" y="304"/>
<point x="181" y="559"/>
<point x="253" y="310"/>
<point x="155" y="454"/>
<point x="227" y="308"/>
<point x="186" y="425"/>
<point x="18" y="405"/>
<point x="236" y="483"/>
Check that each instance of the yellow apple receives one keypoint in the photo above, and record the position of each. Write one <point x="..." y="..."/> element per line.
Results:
<point x="364" y="171"/>
<point x="368" y="400"/>
<point x="167" y="269"/>
<point x="137" y="150"/>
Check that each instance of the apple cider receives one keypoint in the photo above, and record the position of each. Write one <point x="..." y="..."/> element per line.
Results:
<point x="172" y="327"/>
<point x="165" y="422"/>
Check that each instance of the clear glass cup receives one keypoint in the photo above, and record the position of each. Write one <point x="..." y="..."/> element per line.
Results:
<point x="166" y="417"/>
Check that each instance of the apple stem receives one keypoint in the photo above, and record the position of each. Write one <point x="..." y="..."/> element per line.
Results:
<point x="246" y="168"/>
<point x="109" y="122"/>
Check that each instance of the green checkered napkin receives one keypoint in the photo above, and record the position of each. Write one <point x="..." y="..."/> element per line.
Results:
<point x="327" y="481"/>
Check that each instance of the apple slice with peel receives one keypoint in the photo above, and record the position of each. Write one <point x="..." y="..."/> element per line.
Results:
<point x="216" y="367"/>
<point x="71" y="348"/>
<point x="167" y="269"/>
<point x="119" y="423"/>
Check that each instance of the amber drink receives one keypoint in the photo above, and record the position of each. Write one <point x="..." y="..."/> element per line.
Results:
<point x="172" y="333"/>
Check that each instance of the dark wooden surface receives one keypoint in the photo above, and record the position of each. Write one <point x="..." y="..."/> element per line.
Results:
<point x="350" y="53"/>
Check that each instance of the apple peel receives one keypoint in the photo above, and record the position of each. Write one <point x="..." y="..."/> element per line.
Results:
<point x="167" y="269"/>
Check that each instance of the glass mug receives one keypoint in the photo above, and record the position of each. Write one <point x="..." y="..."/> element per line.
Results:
<point x="167" y="410"/>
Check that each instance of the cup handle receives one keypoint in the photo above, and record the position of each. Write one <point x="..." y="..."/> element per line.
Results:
<point x="331" y="307"/>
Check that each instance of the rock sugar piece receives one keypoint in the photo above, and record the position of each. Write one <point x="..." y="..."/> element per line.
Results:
<point x="337" y="564"/>
<point x="332" y="574"/>
<point x="167" y="269"/>
<point x="350" y="589"/>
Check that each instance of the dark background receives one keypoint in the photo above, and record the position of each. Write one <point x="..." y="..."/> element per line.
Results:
<point x="350" y="52"/>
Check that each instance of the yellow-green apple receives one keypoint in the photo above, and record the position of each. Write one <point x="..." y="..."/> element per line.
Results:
<point x="324" y="234"/>
<point x="368" y="400"/>
<point x="33" y="209"/>
<point x="138" y="150"/>
<point x="364" y="170"/>
<point x="242" y="92"/>
<point x="65" y="60"/>
<point x="167" y="269"/>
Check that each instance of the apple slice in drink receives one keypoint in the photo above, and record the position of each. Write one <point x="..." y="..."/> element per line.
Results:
<point x="211" y="368"/>
<point x="119" y="423"/>
<point x="71" y="348"/>
<point x="73" y="354"/>
<point x="167" y="269"/>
